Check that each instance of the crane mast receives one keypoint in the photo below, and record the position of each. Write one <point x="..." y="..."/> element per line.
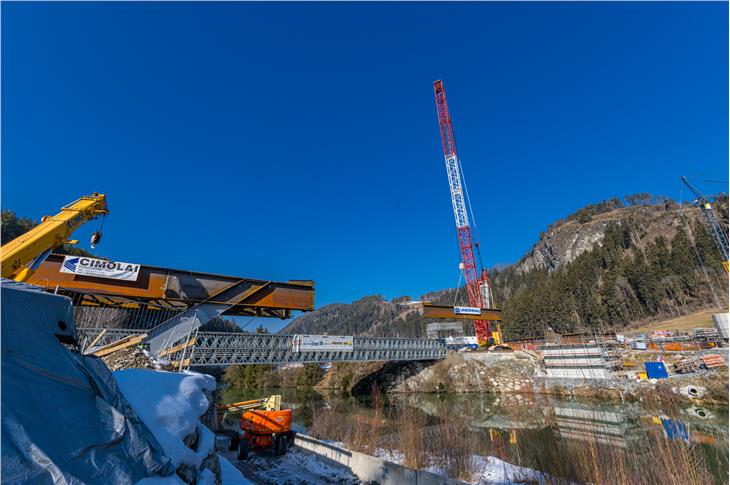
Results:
<point x="715" y="229"/>
<point x="477" y="285"/>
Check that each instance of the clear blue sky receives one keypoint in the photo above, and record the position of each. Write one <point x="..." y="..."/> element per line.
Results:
<point x="300" y="141"/>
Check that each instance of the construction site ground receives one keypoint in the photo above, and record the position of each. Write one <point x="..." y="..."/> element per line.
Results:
<point x="521" y="373"/>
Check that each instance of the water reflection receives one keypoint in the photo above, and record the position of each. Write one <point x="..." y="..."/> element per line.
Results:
<point x="615" y="424"/>
<point x="527" y="429"/>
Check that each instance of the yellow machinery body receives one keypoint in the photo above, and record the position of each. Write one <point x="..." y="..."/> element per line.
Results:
<point x="20" y="257"/>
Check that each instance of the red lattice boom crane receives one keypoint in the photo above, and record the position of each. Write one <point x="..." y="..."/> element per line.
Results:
<point x="477" y="284"/>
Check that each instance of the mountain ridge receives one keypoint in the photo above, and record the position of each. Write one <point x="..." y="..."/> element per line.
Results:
<point x="606" y="265"/>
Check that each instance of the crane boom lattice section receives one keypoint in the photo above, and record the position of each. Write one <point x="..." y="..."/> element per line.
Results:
<point x="477" y="286"/>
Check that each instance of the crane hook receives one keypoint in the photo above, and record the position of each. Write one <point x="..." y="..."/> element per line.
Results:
<point x="95" y="239"/>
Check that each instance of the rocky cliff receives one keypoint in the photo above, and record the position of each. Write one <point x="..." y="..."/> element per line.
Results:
<point x="568" y="238"/>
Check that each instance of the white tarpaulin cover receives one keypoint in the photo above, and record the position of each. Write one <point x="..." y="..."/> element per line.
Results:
<point x="63" y="417"/>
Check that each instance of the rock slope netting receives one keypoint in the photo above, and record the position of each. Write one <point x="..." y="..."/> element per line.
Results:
<point x="604" y="267"/>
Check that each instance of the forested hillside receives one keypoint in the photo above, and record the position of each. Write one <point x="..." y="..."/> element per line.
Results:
<point x="650" y="262"/>
<point x="605" y="266"/>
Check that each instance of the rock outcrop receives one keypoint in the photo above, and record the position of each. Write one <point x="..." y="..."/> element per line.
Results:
<point x="565" y="241"/>
<point x="519" y="375"/>
<point x="477" y="372"/>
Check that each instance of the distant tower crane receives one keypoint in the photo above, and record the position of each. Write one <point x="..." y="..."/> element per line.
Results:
<point x="477" y="285"/>
<point x="715" y="229"/>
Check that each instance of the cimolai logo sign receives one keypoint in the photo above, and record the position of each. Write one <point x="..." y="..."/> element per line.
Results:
<point x="101" y="269"/>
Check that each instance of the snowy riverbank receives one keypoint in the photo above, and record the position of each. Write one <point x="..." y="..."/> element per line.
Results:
<point x="171" y="405"/>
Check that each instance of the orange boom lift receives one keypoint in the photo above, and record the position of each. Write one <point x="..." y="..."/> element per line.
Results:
<point x="263" y="425"/>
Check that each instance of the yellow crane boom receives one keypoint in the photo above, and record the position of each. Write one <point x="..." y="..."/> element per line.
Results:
<point x="20" y="257"/>
<point x="222" y="411"/>
<point x="271" y="403"/>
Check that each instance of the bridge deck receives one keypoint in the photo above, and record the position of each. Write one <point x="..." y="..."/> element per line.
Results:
<point x="225" y="348"/>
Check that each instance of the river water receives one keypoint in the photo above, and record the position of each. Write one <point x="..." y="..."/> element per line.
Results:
<point x="546" y="434"/>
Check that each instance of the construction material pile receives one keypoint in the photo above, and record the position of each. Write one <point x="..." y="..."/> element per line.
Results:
<point x="133" y="358"/>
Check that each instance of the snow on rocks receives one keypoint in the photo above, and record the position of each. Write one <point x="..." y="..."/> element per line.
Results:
<point x="170" y="404"/>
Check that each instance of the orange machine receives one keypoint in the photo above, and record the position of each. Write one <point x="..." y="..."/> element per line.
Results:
<point x="263" y="425"/>
<point x="265" y="429"/>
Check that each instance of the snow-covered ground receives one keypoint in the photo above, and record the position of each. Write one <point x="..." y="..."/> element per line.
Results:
<point x="489" y="470"/>
<point x="230" y="475"/>
<point x="494" y="470"/>
<point x="171" y="404"/>
<point x="296" y="467"/>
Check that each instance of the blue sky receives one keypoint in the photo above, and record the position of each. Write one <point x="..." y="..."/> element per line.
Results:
<point x="300" y="141"/>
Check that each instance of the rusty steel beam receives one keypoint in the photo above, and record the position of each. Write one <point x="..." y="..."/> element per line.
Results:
<point x="438" y="311"/>
<point x="178" y="288"/>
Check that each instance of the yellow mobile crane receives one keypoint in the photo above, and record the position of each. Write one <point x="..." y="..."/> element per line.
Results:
<point x="20" y="257"/>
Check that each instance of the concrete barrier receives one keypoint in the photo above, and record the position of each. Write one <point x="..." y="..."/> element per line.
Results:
<point x="370" y="469"/>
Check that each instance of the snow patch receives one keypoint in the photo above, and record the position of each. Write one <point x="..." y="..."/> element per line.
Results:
<point x="494" y="470"/>
<point x="170" y="404"/>
<point x="490" y="470"/>
<point x="230" y="475"/>
<point x="305" y="467"/>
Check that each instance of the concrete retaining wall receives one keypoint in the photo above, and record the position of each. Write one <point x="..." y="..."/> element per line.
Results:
<point x="369" y="468"/>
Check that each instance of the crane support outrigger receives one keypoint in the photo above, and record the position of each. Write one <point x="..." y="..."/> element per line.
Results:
<point x="20" y="257"/>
